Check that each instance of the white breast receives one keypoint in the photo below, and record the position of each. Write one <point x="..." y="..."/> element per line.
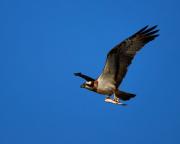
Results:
<point x="105" y="86"/>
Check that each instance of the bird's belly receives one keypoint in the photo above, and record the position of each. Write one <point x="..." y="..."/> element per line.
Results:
<point x="105" y="91"/>
<point x="105" y="87"/>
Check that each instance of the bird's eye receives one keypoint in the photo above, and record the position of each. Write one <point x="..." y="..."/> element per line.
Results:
<point x="88" y="85"/>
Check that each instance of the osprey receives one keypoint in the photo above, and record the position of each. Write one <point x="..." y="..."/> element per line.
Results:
<point x="117" y="62"/>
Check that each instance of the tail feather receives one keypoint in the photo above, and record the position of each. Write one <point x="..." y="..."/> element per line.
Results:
<point x="124" y="95"/>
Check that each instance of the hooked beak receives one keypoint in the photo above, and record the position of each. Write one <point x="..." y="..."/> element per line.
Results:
<point x="82" y="86"/>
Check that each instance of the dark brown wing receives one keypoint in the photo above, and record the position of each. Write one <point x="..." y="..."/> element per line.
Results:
<point x="120" y="57"/>
<point x="87" y="78"/>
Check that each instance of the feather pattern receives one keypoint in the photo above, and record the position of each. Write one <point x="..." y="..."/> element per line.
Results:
<point x="121" y="56"/>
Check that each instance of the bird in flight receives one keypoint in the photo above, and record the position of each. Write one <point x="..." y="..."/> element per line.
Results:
<point x="116" y="66"/>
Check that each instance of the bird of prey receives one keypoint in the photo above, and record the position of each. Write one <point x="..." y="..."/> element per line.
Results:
<point x="116" y="66"/>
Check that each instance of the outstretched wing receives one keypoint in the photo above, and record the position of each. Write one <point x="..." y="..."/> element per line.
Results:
<point x="87" y="78"/>
<point x="120" y="57"/>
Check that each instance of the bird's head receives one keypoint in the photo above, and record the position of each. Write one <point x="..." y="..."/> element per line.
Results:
<point x="90" y="85"/>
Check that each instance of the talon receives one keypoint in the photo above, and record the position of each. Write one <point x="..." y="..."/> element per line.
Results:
<point x="116" y="100"/>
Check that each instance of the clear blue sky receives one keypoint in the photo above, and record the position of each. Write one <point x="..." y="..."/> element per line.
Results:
<point x="44" y="41"/>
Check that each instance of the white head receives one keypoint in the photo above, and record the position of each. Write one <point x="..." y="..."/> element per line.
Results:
<point x="88" y="85"/>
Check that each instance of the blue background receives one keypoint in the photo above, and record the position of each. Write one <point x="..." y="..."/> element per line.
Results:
<point x="44" y="41"/>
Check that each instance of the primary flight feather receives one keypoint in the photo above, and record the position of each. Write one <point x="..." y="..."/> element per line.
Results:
<point x="117" y="62"/>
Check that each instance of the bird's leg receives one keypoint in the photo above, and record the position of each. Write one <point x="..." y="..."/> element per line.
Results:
<point x="116" y="99"/>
